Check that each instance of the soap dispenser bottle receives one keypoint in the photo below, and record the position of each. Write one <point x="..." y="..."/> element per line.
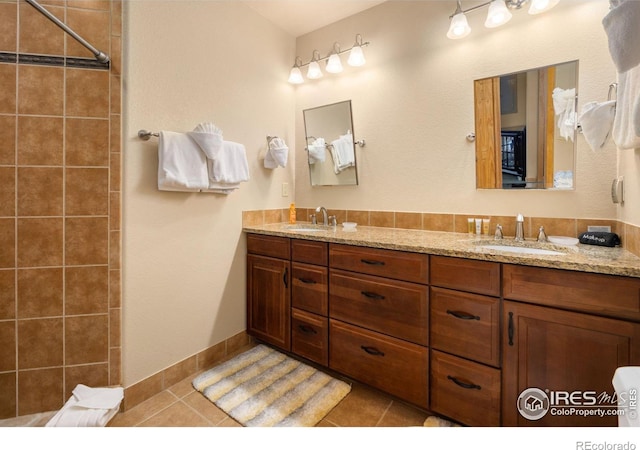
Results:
<point x="292" y="213"/>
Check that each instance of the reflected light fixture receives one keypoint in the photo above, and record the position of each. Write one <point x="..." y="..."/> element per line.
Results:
<point x="333" y="62"/>
<point x="497" y="15"/>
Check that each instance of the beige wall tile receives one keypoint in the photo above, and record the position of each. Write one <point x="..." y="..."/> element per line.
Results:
<point x="7" y="294"/>
<point x="116" y="56"/>
<point x="40" y="293"/>
<point x="180" y="371"/>
<point x="115" y="138"/>
<point x="7" y="243"/>
<point x="7" y="191"/>
<point x="87" y="142"/>
<point x="632" y="239"/>
<point x="437" y="222"/>
<point x="87" y="93"/>
<point x="8" y="141"/>
<point x="102" y="5"/>
<point x="86" y="339"/>
<point x="115" y="366"/>
<point x="143" y="390"/>
<point x="87" y="192"/>
<point x="86" y="290"/>
<point x="40" y="191"/>
<point x="40" y="140"/>
<point x="382" y="219"/>
<point x="209" y="357"/>
<point x="115" y="327"/>
<point x="252" y="218"/>
<point x="409" y="220"/>
<point x="114" y="211"/>
<point x="41" y="90"/>
<point x="39" y="343"/>
<point x="360" y="217"/>
<point x="92" y="25"/>
<point x="115" y="172"/>
<point x="114" y="250"/>
<point x="583" y="224"/>
<point x="40" y="390"/>
<point x="8" y="347"/>
<point x="38" y="34"/>
<point x="8" y="391"/>
<point x="86" y="240"/>
<point x="553" y="227"/>
<point x="39" y="242"/>
<point x="8" y="88"/>
<point x="115" y="299"/>
<point x="8" y="27"/>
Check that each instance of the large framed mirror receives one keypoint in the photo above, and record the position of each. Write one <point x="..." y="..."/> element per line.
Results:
<point x="526" y="126"/>
<point x="330" y="145"/>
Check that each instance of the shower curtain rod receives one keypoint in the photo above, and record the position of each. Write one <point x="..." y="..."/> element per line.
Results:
<point x="100" y="56"/>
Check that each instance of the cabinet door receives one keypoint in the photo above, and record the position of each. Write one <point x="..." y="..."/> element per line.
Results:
<point x="562" y="352"/>
<point x="268" y="300"/>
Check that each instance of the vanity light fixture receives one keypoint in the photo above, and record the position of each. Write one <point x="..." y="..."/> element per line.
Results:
<point x="333" y="62"/>
<point x="497" y="15"/>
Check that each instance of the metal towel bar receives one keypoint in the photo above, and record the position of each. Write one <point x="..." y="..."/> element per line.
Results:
<point x="146" y="135"/>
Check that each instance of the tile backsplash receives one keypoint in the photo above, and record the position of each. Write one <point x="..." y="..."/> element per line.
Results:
<point x="629" y="234"/>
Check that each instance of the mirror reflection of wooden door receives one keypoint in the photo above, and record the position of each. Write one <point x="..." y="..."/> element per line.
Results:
<point x="487" y="124"/>
<point x="547" y="82"/>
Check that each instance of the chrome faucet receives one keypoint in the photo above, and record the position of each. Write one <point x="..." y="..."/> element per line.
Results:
<point x="519" y="228"/>
<point x="498" y="234"/>
<point x="325" y="217"/>
<point x="542" y="236"/>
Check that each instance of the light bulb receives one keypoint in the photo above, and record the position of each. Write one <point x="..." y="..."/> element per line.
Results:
<point x="334" y="65"/>
<point x="459" y="27"/>
<point x="540" y="6"/>
<point x="314" y="70"/>
<point x="498" y="14"/>
<point x="295" y="76"/>
<point x="356" y="57"/>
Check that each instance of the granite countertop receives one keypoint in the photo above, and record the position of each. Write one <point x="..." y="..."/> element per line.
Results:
<point x="581" y="257"/>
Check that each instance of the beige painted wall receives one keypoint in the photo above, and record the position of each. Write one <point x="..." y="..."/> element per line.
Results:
<point x="413" y="103"/>
<point x="184" y="254"/>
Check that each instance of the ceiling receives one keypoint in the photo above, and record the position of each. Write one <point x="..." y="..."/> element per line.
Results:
<point x="298" y="17"/>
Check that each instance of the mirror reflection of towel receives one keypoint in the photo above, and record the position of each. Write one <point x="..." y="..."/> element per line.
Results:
<point x="317" y="151"/>
<point x="564" y="104"/>
<point x="343" y="153"/>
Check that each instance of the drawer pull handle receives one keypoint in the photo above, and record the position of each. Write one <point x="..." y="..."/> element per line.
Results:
<point x="306" y="329"/>
<point x="372" y="295"/>
<point x="372" y="350"/>
<point x="307" y="280"/>
<point x="372" y="262"/>
<point x="464" y="385"/>
<point x="462" y="315"/>
<point x="511" y="329"/>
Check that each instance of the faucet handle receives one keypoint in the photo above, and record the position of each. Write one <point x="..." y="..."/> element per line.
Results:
<point x="542" y="236"/>
<point x="498" y="234"/>
<point x="313" y="219"/>
<point x="332" y="221"/>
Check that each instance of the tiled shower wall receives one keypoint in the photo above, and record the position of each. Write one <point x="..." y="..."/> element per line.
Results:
<point x="59" y="205"/>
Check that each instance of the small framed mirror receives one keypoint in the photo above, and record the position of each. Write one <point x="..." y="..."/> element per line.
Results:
<point x="330" y="145"/>
<point x="526" y="128"/>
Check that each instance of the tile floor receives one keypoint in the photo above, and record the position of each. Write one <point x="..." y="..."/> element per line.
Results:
<point x="182" y="406"/>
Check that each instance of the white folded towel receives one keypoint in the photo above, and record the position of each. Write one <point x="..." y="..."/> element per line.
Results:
<point x="563" y="179"/>
<point x="343" y="153"/>
<point x="88" y="407"/>
<point x="317" y="151"/>
<point x="596" y="120"/>
<point x="277" y="154"/>
<point x="564" y="104"/>
<point x="626" y="125"/>
<point x="208" y="137"/>
<point x="182" y="165"/>
<point x="228" y="164"/>
<point x="623" y="32"/>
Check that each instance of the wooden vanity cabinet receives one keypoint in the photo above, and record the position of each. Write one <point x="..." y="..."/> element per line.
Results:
<point x="465" y="340"/>
<point x="310" y="300"/>
<point x="269" y="290"/>
<point x="378" y="319"/>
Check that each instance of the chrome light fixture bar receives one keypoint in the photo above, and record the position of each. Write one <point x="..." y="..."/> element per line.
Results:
<point x="333" y="62"/>
<point x="497" y="15"/>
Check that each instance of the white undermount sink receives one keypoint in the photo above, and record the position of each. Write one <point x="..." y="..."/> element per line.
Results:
<point x="305" y="227"/>
<point x="521" y="250"/>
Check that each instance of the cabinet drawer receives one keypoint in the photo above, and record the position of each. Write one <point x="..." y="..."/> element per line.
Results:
<point x="480" y="277"/>
<point x="464" y="390"/>
<point x="394" y="366"/>
<point x="391" y="307"/>
<point x="310" y="336"/>
<point x="467" y="325"/>
<point x="387" y="263"/>
<point x="608" y="295"/>
<point x="309" y="286"/>
<point x="311" y="252"/>
<point x="274" y="246"/>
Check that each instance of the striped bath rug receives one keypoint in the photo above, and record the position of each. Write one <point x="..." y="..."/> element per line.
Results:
<point x="264" y="388"/>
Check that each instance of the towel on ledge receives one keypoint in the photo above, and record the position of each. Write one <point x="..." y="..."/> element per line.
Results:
<point x="88" y="407"/>
<point x="277" y="154"/>
<point x="343" y="153"/>
<point x="182" y="165"/>
<point x="596" y="120"/>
